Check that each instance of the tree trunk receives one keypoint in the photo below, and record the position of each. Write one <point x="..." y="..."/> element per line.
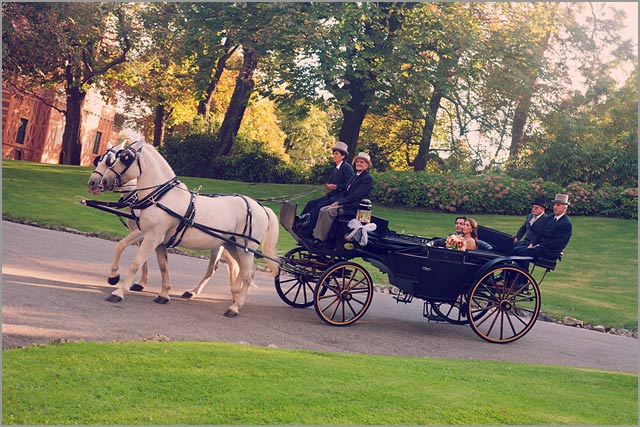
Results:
<point x="353" y="115"/>
<point x="420" y="162"/>
<point x="159" y="125"/>
<point x="204" y="107"/>
<point x="523" y="106"/>
<point x="71" y="137"/>
<point x="241" y="93"/>
<point x="517" y="129"/>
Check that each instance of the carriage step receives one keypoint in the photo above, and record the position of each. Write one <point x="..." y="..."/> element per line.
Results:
<point x="401" y="296"/>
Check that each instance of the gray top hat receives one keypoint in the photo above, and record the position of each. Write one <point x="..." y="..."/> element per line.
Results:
<point x="342" y="147"/>
<point x="562" y="199"/>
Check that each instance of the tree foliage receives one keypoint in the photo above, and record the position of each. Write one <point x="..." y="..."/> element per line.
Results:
<point x="68" y="47"/>
<point x="436" y="86"/>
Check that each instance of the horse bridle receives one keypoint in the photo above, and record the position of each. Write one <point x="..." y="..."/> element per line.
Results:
<point x="109" y="162"/>
<point x="127" y="157"/>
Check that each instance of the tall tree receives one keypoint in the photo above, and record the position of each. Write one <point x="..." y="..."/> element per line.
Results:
<point x="346" y="48"/>
<point x="261" y="29"/>
<point x="64" y="45"/>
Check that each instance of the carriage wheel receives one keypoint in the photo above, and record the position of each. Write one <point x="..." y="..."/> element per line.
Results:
<point x="343" y="294"/>
<point x="508" y="299"/>
<point x="297" y="289"/>
<point x="455" y="313"/>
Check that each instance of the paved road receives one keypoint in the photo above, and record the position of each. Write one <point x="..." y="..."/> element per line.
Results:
<point x="54" y="287"/>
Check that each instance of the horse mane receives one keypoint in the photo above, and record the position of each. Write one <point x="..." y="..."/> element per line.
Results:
<point x="162" y="163"/>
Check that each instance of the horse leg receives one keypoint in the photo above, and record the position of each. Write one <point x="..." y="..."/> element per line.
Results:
<point x="214" y="264"/>
<point x="163" y="263"/>
<point x="144" y="278"/>
<point x="133" y="238"/>
<point x="241" y="284"/>
<point x="148" y="244"/>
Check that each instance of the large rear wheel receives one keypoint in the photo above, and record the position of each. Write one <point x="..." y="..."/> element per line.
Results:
<point x="504" y="304"/>
<point x="297" y="289"/>
<point x="343" y="294"/>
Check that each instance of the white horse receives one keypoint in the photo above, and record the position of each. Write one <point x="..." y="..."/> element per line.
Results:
<point x="135" y="236"/>
<point x="171" y="215"/>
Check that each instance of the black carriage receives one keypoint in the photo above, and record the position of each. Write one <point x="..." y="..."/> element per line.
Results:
<point x="486" y="289"/>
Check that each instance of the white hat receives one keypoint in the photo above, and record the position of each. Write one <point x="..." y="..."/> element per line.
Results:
<point x="363" y="156"/>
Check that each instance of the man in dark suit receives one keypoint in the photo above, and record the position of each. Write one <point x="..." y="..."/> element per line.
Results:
<point x="336" y="184"/>
<point x="359" y="188"/>
<point x="555" y="235"/>
<point x="531" y="230"/>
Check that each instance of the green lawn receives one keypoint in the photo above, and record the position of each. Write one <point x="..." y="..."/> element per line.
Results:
<point x="210" y="383"/>
<point x="595" y="282"/>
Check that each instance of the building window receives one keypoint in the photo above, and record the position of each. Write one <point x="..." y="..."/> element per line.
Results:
<point x="22" y="130"/>
<point x="96" y="143"/>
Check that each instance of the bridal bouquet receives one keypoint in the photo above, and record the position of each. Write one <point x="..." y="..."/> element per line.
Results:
<point x="456" y="242"/>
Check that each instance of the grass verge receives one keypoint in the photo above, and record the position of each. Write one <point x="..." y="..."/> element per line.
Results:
<point x="209" y="383"/>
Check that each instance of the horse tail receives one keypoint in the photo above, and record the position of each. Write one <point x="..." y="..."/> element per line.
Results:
<point x="270" y="241"/>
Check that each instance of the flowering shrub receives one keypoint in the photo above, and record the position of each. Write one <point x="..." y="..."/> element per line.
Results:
<point x="497" y="194"/>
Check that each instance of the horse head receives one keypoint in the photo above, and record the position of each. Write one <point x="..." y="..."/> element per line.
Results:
<point x="102" y="163"/>
<point x="115" y="168"/>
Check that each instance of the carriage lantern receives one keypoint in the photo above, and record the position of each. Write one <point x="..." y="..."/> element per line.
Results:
<point x="364" y="211"/>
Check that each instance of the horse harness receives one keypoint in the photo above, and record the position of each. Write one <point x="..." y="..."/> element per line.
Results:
<point x="187" y="220"/>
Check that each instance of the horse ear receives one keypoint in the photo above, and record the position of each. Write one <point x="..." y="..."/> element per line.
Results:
<point x="120" y="146"/>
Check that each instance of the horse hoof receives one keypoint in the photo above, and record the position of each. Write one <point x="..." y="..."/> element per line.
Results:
<point x="136" y="287"/>
<point x="230" y="313"/>
<point x="114" y="298"/>
<point x="113" y="280"/>
<point x="187" y="295"/>
<point x="161" y="300"/>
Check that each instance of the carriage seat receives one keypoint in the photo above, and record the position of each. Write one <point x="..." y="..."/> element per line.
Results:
<point x="483" y="246"/>
<point x="548" y="263"/>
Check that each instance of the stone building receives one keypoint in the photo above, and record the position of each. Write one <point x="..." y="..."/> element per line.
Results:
<point x="32" y="129"/>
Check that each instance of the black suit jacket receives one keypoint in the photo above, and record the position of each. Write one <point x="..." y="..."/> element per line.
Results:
<point x="532" y="233"/>
<point x="359" y="188"/>
<point x="555" y="236"/>
<point x="341" y="177"/>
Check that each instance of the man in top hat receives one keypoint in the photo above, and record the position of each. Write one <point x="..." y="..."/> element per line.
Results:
<point x="336" y="184"/>
<point x="360" y="187"/>
<point x="530" y="231"/>
<point x="555" y="235"/>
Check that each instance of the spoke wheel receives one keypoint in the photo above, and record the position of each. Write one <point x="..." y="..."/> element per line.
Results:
<point x="297" y="289"/>
<point x="343" y="294"/>
<point x="457" y="312"/>
<point x="508" y="299"/>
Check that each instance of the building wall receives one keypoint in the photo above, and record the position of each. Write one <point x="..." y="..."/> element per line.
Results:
<point x="45" y="126"/>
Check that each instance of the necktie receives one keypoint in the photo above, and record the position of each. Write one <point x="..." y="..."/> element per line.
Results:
<point x="532" y="220"/>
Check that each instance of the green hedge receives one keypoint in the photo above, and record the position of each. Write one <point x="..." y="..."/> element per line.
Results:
<point x="191" y="156"/>
<point x="497" y="194"/>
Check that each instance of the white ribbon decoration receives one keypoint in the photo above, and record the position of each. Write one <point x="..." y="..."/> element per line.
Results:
<point x="360" y="231"/>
